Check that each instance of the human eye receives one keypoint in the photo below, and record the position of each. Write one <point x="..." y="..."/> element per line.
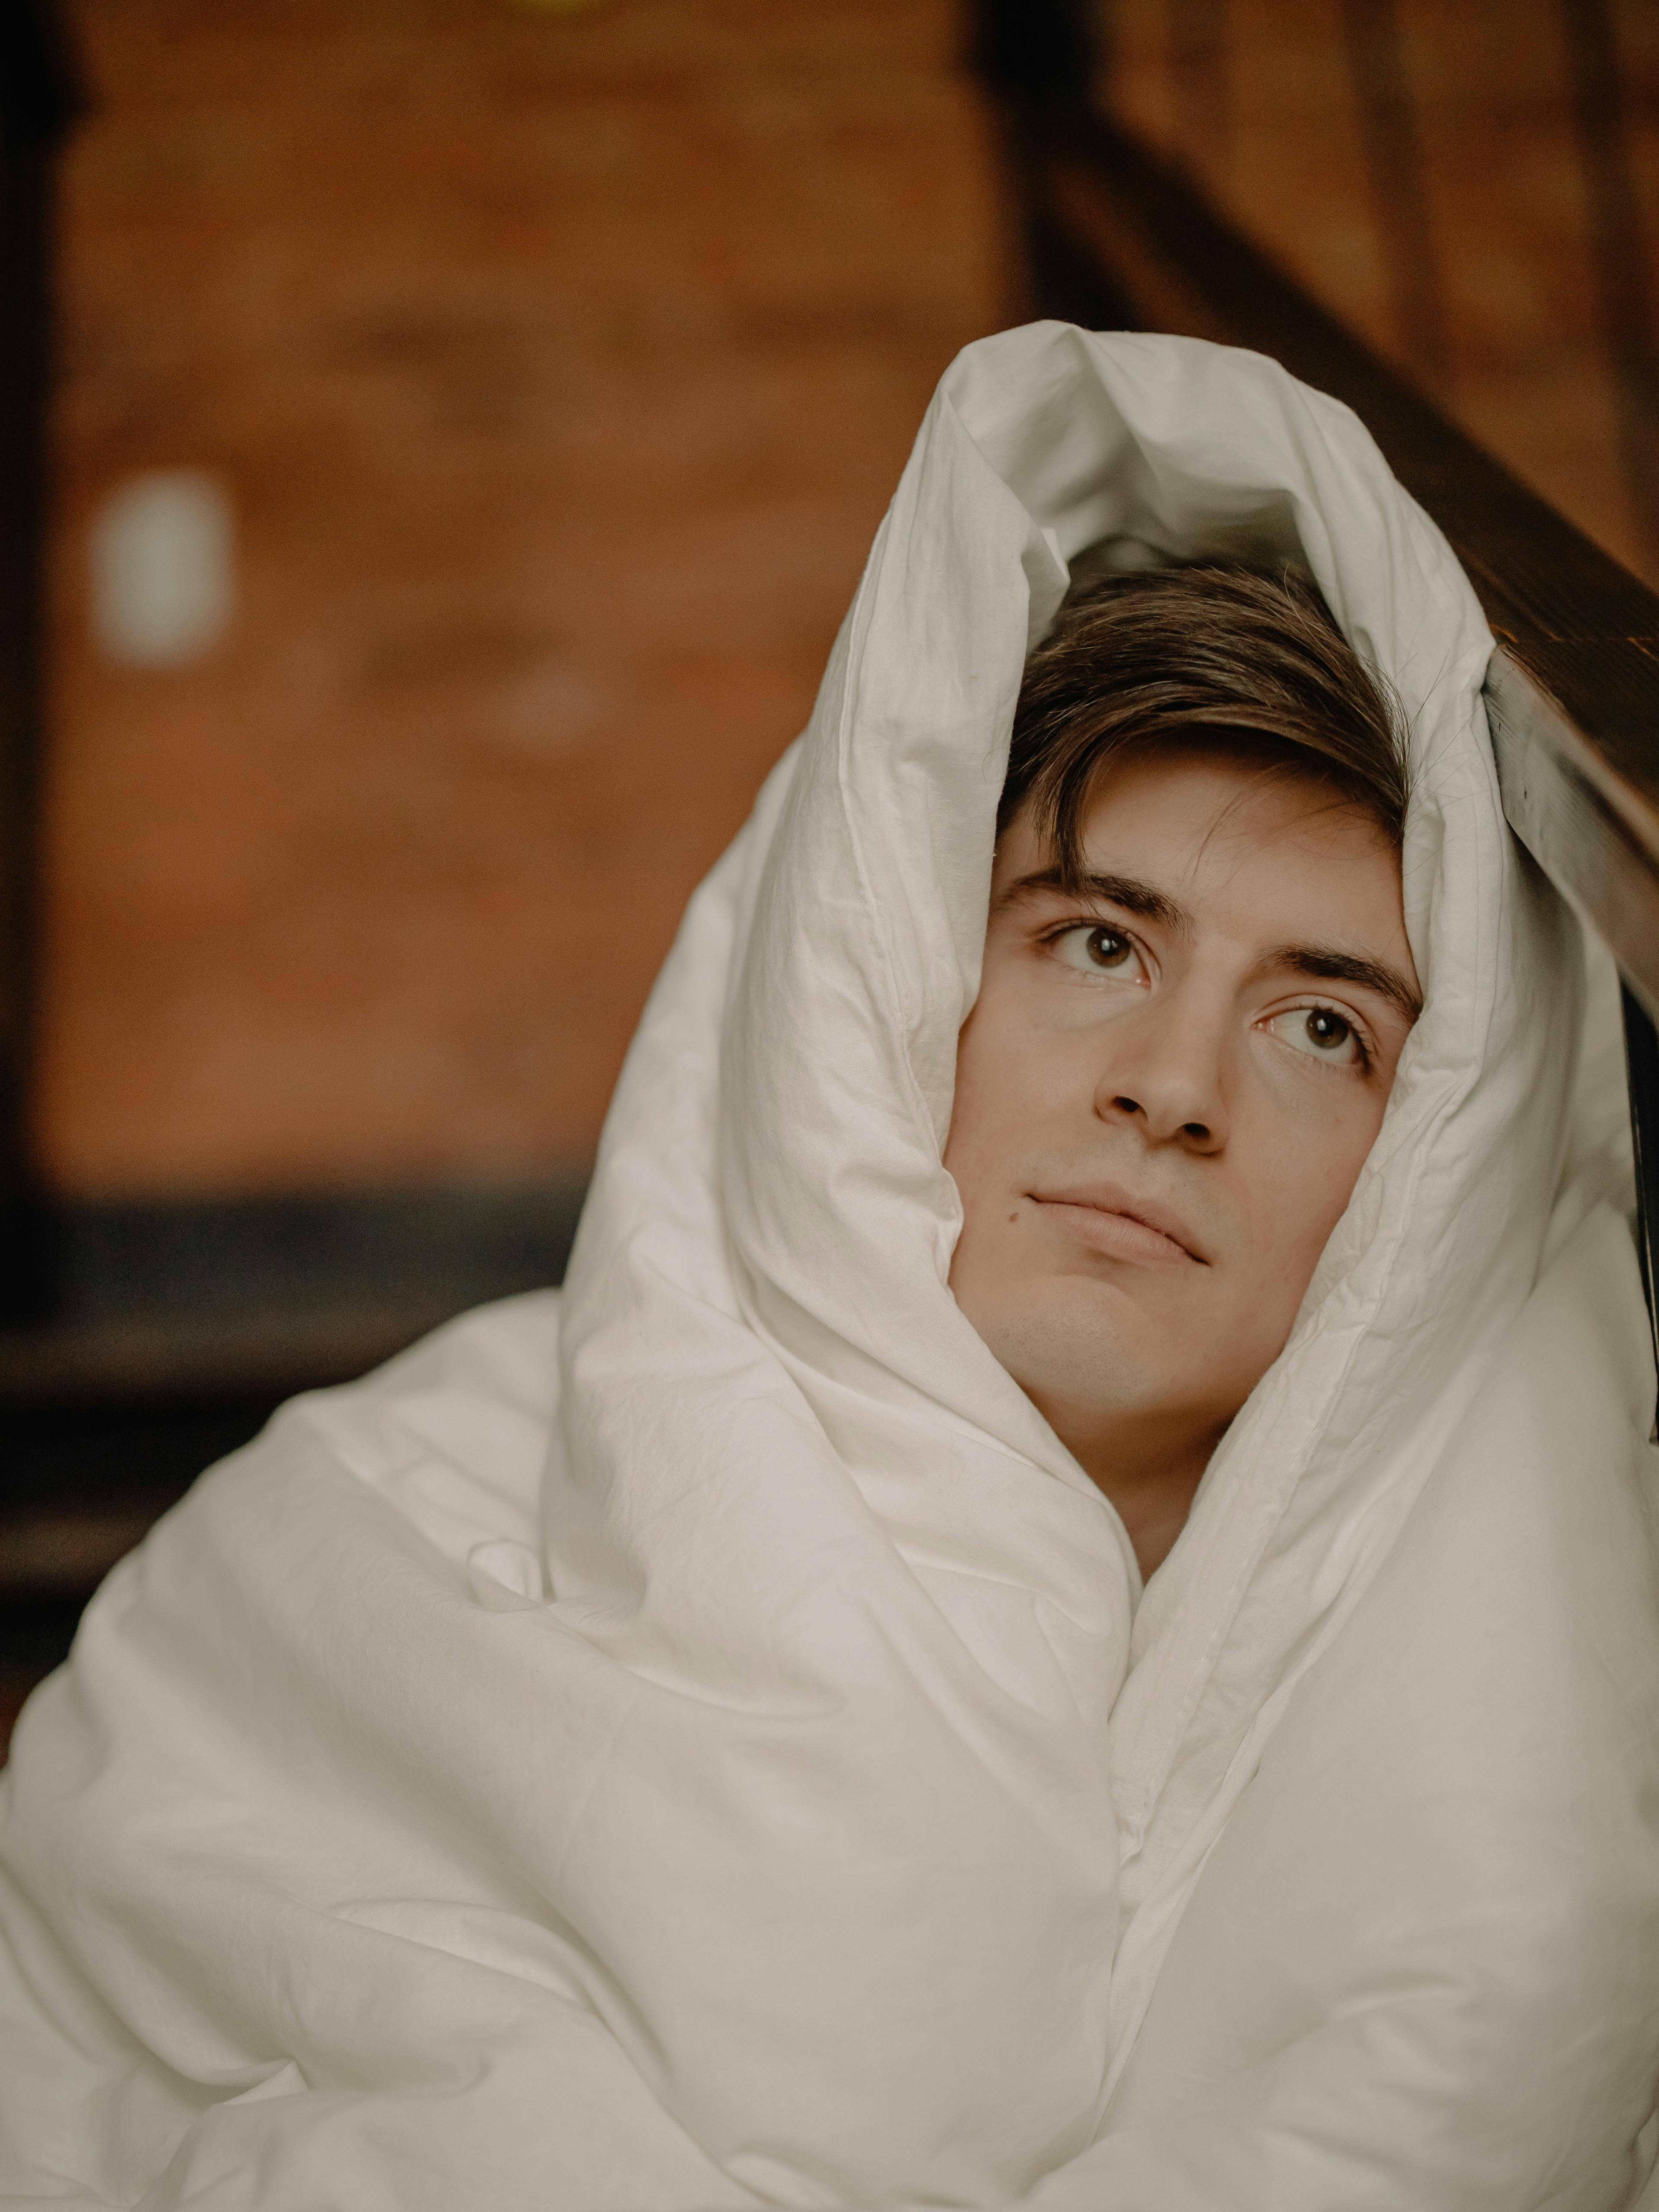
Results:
<point x="1321" y="1033"/>
<point x="1098" y="948"/>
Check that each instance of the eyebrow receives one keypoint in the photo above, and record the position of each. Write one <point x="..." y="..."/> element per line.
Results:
<point x="1126" y="891"/>
<point x="1322" y="964"/>
<point x="1318" y="962"/>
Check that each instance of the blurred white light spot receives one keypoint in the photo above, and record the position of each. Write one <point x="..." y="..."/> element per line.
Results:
<point x="162" y="555"/>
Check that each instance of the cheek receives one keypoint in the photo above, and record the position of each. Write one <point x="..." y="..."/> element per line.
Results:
<point x="994" y="1092"/>
<point x="1305" y="1169"/>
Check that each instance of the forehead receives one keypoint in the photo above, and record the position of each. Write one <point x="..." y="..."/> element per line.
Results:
<point x="1204" y="822"/>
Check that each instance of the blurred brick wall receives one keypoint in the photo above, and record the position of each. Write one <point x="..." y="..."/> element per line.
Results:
<point x="559" y="368"/>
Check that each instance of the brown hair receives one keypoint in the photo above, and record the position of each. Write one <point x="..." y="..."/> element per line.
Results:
<point x="1213" y="653"/>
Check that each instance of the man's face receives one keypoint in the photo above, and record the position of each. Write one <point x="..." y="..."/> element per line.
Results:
<point x="1165" y="1093"/>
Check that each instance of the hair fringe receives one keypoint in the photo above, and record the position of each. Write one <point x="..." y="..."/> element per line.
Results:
<point x="1228" y="654"/>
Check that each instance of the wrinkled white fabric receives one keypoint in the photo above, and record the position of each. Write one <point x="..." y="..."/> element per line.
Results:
<point x="704" y="1743"/>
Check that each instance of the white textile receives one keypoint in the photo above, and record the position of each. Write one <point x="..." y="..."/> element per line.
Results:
<point x="704" y="1744"/>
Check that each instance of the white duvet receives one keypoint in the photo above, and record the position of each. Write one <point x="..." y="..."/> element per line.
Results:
<point x="703" y="1743"/>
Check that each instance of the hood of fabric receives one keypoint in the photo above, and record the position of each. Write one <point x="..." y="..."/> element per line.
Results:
<point x="768" y="1383"/>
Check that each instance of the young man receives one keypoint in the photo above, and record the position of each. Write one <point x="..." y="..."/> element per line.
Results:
<point x="1197" y="987"/>
<point x="711" y="1740"/>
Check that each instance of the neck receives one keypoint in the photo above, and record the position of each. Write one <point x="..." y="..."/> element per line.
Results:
<point x="1148" y="1465"/>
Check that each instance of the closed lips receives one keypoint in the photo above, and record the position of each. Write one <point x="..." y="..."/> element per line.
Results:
<point x="1121" y="1227"/>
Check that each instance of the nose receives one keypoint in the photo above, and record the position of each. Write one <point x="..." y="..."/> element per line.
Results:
<point x="1163" y="1069"/>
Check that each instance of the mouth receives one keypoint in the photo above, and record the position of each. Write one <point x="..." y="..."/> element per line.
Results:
<point x="1120" y="1226"/>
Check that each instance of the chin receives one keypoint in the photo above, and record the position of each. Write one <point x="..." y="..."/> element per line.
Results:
<point x="1084" y="1340"/>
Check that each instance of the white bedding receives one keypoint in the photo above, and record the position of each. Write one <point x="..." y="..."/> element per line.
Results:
<point x="706" y="1745"/>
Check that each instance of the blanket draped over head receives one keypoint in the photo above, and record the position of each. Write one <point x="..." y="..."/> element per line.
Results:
<point x="703" y="1743"/>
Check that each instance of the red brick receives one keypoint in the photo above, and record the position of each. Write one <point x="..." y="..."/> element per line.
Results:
<point x="560" y="371"/>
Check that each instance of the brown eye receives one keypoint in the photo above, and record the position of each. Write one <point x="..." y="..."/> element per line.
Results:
<point x="1094" y="948"/>
<point x="1108" y="949"/>
<point x="1319" y="1033"/>
<point x="1327" y="1031"/>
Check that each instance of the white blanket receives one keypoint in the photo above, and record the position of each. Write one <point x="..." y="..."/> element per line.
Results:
<point x="706" y="1745"/>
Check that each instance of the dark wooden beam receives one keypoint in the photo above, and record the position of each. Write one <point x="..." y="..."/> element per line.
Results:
<point x="1585" y="628"/>
<point x="37" y="102"/>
